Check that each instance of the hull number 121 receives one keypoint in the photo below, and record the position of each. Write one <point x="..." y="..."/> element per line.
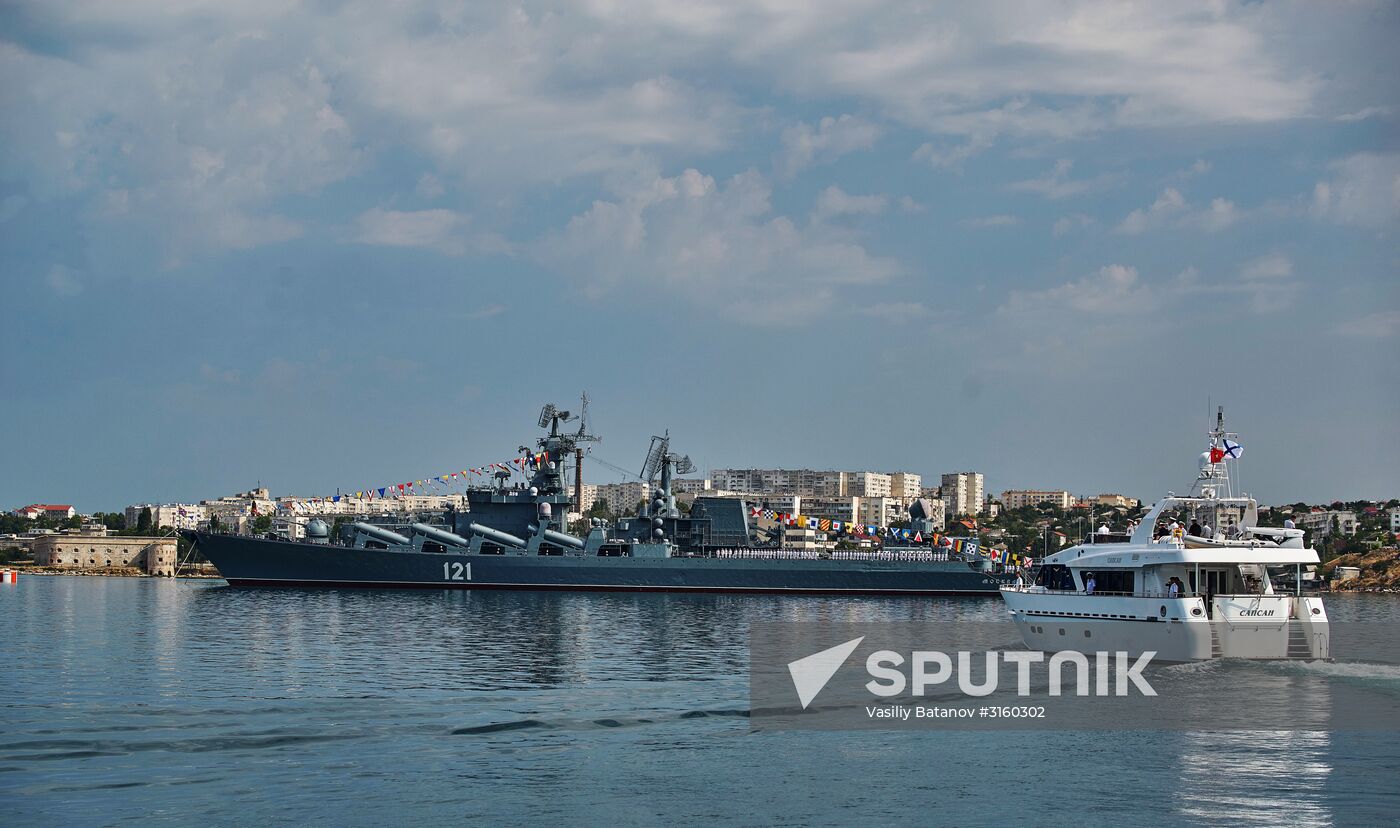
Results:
<point x="456" y="571"/>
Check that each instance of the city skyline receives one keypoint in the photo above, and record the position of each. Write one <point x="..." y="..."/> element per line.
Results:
<point x="328" y="246"/>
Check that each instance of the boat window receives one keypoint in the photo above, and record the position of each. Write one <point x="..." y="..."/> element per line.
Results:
<point x="1114" y="580"/>
<point x="1055" y="576"/>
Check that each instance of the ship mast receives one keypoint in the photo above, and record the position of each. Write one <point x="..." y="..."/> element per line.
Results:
<point x="1214" y="480"/>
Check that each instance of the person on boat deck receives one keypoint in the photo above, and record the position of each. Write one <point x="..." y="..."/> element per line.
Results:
<point x="1206" y="531"/>
<point x="1288" y="523"/>
<point x="1103" y="529"/>
<point x="1174" y="587"/>
<point x="1089" y="583"/>
<point x="1195" y="530"/>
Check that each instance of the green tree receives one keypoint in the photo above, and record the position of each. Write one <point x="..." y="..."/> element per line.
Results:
<point x="262" y="524"/>
<point x="143" y="523"/>
<point x="114" y="521"/>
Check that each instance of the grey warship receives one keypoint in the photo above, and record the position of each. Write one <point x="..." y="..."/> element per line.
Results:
<point x="512" y="537"/>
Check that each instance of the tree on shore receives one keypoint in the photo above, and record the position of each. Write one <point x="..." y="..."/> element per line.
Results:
<point x="143" y="523"/>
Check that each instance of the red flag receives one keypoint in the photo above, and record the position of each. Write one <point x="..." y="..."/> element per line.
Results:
<point x="1216" y="454"/>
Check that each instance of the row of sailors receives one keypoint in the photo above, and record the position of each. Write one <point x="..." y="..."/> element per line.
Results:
<point x="836" y="555"/>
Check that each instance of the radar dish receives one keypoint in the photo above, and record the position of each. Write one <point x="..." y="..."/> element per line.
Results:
<point x="546" y="414"/>
<point x="684" y="466"/>
<point x="655" y="456"/>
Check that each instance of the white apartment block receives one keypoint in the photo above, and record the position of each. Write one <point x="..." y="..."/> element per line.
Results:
<point x="228" y="509"/>
<point x="906" y="485"/>
<point x="963" y="493"/>
<point x="1021" y="498"/>
<point x="1118" y="501"/>
<point x="1395" y="518"/>
<point x="690" y="485"/>
<point x="835" y="508"/>
<point x="167" y="515"/>
<point x="622" y="498"/>
<point x="882" y="511"/>
<point x="867" y="484"/>
<point x="1321" y="522"/>
<point x="780" y="481"/>
<point x="813" y="483"/>
<point x="588" y="495"/>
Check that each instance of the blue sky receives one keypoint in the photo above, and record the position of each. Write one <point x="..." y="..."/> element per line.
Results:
<point x="327" y="244"/>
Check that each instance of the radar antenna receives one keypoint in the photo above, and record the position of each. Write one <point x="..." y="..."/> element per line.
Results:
<point x="656" y="455"/>
<point x="659" y="457"/>
<point x="547" y="414"/>
<point x="581" y="436"/>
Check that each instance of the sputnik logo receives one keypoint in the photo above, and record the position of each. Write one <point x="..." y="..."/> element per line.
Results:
<point x="811" y="673"/>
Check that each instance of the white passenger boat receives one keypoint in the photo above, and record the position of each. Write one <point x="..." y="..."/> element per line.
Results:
<point x="1184" y="597"/>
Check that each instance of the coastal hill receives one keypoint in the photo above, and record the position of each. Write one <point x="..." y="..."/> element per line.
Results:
<point x="1380" y="570"/>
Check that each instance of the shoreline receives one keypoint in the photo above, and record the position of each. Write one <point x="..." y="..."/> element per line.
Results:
<point x="124" y="572"/>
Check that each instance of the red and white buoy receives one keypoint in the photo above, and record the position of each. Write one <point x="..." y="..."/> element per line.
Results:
<point x="9" y="576"/>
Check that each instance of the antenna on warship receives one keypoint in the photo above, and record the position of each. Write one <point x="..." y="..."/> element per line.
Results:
<point x="581" y="436"/>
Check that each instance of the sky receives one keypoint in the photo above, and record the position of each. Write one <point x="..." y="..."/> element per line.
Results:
<point x="332" y="245"/>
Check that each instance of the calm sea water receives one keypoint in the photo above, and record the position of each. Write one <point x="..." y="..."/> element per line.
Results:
<point x="133" y="701"/>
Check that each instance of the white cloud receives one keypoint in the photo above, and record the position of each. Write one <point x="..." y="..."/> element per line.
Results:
<point x="1378" y="325"/>
<point x="1263" y="285"/>
<point x="1364" y="114"/>
<point x="718" y="246"/>
<point x="201" y="123"/>
<point x="834" y="202"/>
<point x="488" y="312"/>
<point x="1172" y="209"/>
<point x="804" y="145"/>
<point x="1219" y="215"/>
<point x="1057" y="183"/>
<point x="1170" y="203"/>
<point x="1114" y="289"/>
<point x="909" y="205"/>
<point x="983" y="222"/>
<point x="1364" y="190"/>
<point x="1272" y="266"/>
<point x="192" y="140"/>
<point x="952" y="156"/>
<point x="441" y="230"/>
<point x="446" y="231"/>
<point x="1198" y="168"/>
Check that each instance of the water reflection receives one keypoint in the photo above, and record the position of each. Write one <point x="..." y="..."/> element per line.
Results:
<point x="141" y="700"/>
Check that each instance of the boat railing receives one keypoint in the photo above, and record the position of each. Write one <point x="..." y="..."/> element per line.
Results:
<point x="1104" y="593"/>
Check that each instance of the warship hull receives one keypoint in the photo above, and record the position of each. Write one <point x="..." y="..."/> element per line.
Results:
<point x="257" y="562"/>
